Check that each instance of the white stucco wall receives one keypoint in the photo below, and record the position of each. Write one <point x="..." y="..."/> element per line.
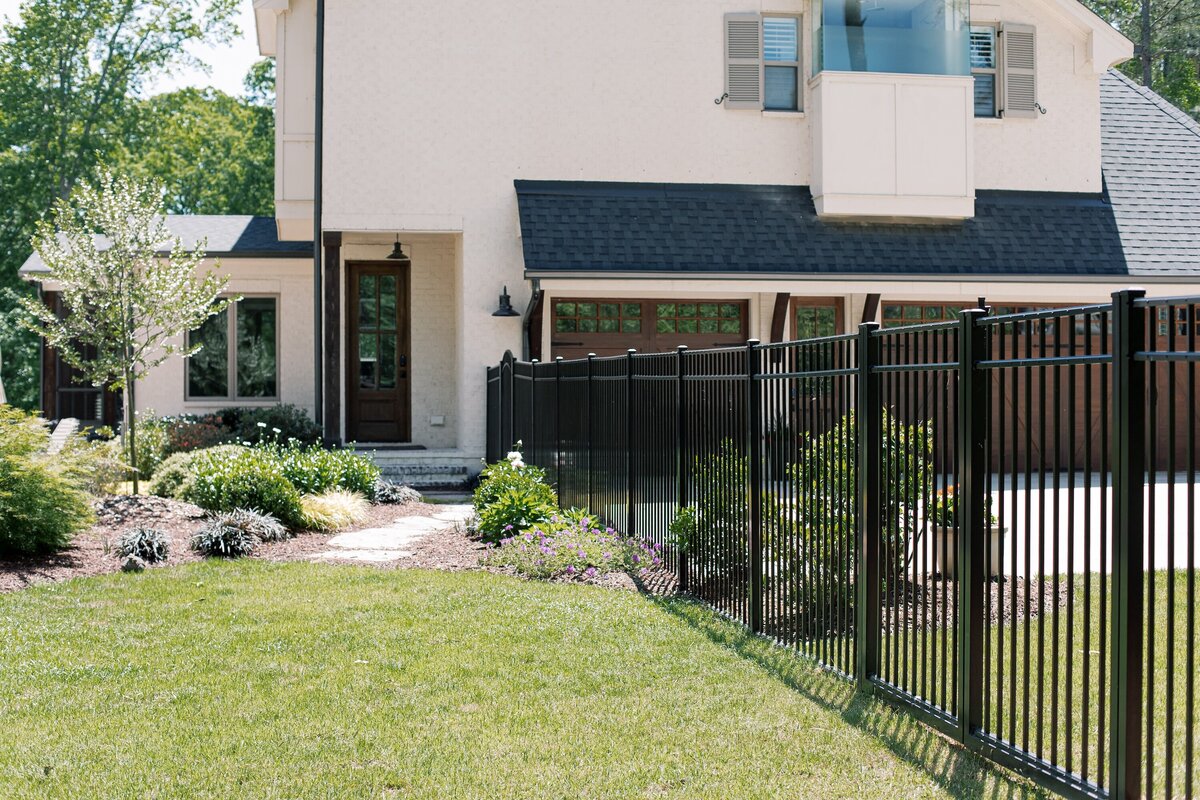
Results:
<point x="290" y="280"/>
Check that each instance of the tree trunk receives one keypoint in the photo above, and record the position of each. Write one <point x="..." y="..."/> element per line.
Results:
<point x="130" y="383"/>
<point x="1147" y="57"/>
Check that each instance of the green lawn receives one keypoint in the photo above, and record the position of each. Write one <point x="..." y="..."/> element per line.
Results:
<point x="294" y="681"/>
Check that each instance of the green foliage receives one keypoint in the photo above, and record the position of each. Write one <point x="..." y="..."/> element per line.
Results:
<point x="279" y="423"/>
<point x="41" y="507"/>
<point x="333" y="510"/>
<point x="214" y="153"/>
<point x="176" y="471"/>
<point x="512" y="496"/>
<point x="149" y="544"/>
<point x="19" y="353"/>
<point x="93" y="465"/>
<point x="579" y="549"/>
<point x="248" y="477"/>
<point x="719" y="484"/>
<point x="263" y="527"/>
<point x="683" y="528"/>
<point x="944" y="509"/>
<point x="313" y="470"/>
<point x="223" y="537"/>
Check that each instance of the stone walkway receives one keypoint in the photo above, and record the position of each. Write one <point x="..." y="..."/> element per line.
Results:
<point x="391" y="543"/>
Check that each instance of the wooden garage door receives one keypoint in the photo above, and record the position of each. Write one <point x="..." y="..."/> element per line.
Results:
<point x="609" y="327"/>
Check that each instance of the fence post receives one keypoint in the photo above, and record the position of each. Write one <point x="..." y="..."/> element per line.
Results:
<point x="1129" y="475"/>
<point x="506" y="402"/>
<point x="681" y="459"/>
<point x="869" y="413"/>
<point x="558" y="424"/>
<point x="754" y="453"/>
<point x="531" y="445"/>
<point x="591" y="359"/>
<point x="971" y="453"/>
<point x="630" y="517"/>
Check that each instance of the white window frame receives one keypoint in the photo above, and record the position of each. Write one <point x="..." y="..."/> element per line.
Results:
<point x="994" y="70"/>
<point x="798" y="63"/>
<point x="231" y="358"/>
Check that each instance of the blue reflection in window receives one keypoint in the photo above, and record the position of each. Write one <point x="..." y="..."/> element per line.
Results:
<point x="922" y="37"/>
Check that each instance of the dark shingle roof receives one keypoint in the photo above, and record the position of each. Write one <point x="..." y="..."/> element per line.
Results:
<point x="622" y="227"/>
<point x="228" y="235"/>
<point x="1147" y="225"/>
<point x="1151" y="155"/>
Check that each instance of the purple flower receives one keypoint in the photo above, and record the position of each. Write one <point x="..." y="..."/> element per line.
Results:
<point x="590" y="572"/>
<point x="570" y="569"/>
<point x="508" y="527"/>
<point x="635" y="558"/>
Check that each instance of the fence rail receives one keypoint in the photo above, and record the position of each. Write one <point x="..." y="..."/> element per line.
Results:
<point x="992" y="521"/>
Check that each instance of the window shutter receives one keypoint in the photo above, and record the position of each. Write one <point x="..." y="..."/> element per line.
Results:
<point x="743" y="61"/>
<point x="1018" y="46"/>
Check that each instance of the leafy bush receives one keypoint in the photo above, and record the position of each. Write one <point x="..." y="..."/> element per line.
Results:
<point x="263" y="527"/>
<point x="388" y="493"/>
<point x="944" y="508"/>
<point x="41" y="506"/>
<point x="171" y="476"/>
<point x="222" y="537"/>
<point x="246" y="477"/>
<point x="512" y="496"/>
<point x="313" y="470"/>
<point x="148" y="544"/>
<point x="562" y="548"/>
<point x="93" y="465"/>
<point x="195" y="433"/>
<point x="332" y="510"/>
<point x="280" y="423"/>
<point x="152" y="443"/>
<point x="683" y="528"/>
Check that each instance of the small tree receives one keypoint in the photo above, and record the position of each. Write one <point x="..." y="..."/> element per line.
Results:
<point x="130" y="290"/>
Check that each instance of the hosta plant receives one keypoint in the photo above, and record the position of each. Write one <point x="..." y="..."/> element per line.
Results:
<point x="512" y="496"/>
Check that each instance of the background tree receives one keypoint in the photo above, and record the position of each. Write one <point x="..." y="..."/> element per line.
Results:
<point x="1166" y="37"/>
<point x="130" y="289"/>
<point x="73" y="75"/>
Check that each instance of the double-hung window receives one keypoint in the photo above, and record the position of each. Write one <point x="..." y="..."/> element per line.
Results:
<point x="781" y="63"/>
<point x="983" y="68"/>
<point x="238" y="359"/>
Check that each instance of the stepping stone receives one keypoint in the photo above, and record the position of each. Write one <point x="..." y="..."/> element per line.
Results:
<point x="454" y="514"/>
<point x="377" y="538"/>
<point x="374" y="556"/>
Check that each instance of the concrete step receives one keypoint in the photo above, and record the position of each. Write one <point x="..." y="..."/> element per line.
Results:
<point x="426" y="469"/>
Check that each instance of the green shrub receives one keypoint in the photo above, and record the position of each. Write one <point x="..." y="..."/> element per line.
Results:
<point x="512" y="496"/>
<point x="333" y="510"/>
<point x="683" y="528"/>
<point x="148" y="544"/>
<point x="314" y="470"/>
<point x="574" y="549"/>
<point x="171" y="476"/>
<point x="152" y="444"/>
<point x="279" y="423"/>
<point x="41" y="507"/>
<point x="93" y="465"/>
<point x="246" y="477"/>
<point x="223" y="537"/>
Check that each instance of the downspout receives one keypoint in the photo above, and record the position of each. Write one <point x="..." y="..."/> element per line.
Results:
<point x="318" y="322"/>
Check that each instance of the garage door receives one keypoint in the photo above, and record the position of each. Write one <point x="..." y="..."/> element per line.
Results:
<point x="609" y="327"/>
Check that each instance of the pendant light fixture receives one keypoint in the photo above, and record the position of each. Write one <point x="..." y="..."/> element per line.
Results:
<point x="398" y="254"/>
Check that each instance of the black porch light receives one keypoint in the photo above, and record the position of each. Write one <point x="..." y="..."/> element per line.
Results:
<point x="505" y="309"/>
<point x="398" y="254"/>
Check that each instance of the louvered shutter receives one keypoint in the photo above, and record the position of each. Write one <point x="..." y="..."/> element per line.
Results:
<point x="743" y="61"/>
<point x="1018" y="45"/>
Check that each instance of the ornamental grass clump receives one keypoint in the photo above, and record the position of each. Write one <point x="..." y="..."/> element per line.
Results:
<point x="263" y="527"/>
<point x="333" y="510"/>
<point x="149" y="544"/>
<point x="561" y="548"/>
<point x="222" y="538"/>
<point x="388" y="493"/>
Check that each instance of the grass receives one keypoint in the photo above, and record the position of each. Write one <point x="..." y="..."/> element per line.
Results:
<point x="1031" y="705"/>
<point x="261" y="680"/>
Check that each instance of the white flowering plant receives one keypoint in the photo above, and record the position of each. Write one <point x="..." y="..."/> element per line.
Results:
<point x="512" y="496"/>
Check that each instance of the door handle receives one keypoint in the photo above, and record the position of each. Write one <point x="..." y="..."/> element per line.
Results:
<point x="403" y="361"/>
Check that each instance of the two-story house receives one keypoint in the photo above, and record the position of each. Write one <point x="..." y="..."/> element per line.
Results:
<point x="654" y="173"/>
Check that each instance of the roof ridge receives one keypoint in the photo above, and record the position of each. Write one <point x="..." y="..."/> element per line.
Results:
<point x="1159" y="102"/>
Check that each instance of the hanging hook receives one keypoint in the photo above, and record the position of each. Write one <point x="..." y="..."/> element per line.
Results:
<point x="721" y="99"/>
<point x="1038" y="106"/>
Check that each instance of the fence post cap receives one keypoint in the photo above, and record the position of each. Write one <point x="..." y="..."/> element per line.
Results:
<point x="631" y="351"/>
<point x="591" y="355"/>
<point x="680" y="347"/>
<point x="1134" y="291"/>
<point x="752" y="342"/>
<point x="558" y="358"/>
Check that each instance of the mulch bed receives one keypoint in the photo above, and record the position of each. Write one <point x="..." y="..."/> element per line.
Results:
<point x="91" y="552"/>
<point x="920" y="604"/>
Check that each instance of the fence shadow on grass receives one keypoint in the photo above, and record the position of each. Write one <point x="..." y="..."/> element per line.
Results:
<point x="951" y="766"/>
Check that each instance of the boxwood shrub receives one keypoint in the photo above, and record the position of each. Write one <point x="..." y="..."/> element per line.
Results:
<point x="244" y="477"/>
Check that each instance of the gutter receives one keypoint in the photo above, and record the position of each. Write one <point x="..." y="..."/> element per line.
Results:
<point x="318" y="328"/>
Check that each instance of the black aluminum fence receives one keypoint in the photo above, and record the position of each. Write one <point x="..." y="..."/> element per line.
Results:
<point x="992" y="521"/>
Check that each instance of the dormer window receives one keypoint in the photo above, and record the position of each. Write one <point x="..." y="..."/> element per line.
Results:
<point x="913" y="37"/>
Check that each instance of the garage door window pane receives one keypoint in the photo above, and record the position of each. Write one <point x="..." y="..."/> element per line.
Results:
<point x="587" y="326"/>
<point x="631" y="310"/>
<point x="631" y="326"/>
<point x="610" y="311"/>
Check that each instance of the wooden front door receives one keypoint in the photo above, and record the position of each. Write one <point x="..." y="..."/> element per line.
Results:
<point x="377" y="376"/>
